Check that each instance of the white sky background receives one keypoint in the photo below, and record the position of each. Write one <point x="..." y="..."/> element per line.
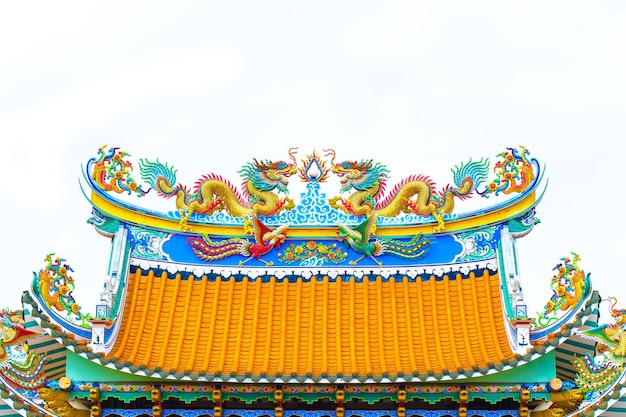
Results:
<point x="207" y="87"/>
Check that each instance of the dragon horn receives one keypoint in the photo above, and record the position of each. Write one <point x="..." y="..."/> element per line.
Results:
<point x="613" y="304"/>
<point x="292" y="155"/>
<point x="330" y="152"/>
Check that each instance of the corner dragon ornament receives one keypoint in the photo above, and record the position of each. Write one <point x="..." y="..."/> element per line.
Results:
<point x="569" y="286"/>
<point x="514" y="173"/>
<point x="55" y="285"/>
<point x="212" y="193"/>
<point x="596" y="373"/>
<point x="415" y="194"/>
<point x="112" y="172"/>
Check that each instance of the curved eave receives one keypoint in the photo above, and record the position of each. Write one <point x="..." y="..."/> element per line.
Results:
<point x="604" y="404"/>
<point x="571" y="316"/>
<point x="59" y="319"/>
<point x="49" y="325"/>
<point x="532" y="355"/>
<point x="97" y="358"/>
<point x="445" y="376"/>
<point x="496" y="214"/>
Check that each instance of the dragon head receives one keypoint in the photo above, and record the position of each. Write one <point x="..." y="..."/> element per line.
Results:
<point x="268" y="175"/>
<point x="361" y="175"/>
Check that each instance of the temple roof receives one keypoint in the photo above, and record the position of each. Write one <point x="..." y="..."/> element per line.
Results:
<point x="318" y="327"/>
<point x="384" y="284"/>
<point x="363" y="289"/>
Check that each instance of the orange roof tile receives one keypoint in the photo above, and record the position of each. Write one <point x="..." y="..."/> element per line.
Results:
<point x="312" y="327"/>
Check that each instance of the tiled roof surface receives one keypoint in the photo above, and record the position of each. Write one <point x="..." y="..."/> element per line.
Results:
<point x="312" y="327"/>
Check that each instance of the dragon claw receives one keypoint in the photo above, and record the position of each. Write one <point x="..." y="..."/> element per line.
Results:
<point x="439" y="215"/>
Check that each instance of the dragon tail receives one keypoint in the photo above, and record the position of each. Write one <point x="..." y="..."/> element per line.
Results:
<point x="601" y="334"/>
<point x="474" y="171"/>
<point x="158" y="176"/>
<point x="413" y="249"/>
<point x="208" y="250"/>
<point x="592" y="377"/>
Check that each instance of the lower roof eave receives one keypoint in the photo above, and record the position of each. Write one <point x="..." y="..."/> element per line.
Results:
<point x="455" y="377"/>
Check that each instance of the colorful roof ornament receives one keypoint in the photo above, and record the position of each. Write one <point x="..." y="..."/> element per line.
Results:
<point x="569" y="286"/>
<point x="112" y="172"/>
<point x="514" y="173"/>
<point x="54" y="285"/>
<point x="265" y="240"/>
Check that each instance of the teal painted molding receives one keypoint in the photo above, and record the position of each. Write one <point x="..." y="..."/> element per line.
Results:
<point x="81" y="369"/>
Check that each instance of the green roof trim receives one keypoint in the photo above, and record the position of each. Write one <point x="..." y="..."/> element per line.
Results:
<point x="540" y="369"/>
<point x="81" y="369"/>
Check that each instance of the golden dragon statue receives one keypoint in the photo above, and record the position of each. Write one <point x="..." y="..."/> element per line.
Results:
<point x="415" y="194"/>
<point x="58" y="403"/>
<point x="596" y="373"/>
<point x="212" y="193"/>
